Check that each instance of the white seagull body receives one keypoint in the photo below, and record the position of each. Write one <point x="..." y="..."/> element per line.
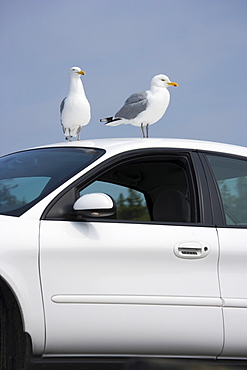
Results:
<point x="75" y="108"/>
<point x="144" y="108"/>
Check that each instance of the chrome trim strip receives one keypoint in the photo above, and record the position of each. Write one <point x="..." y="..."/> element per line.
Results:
<point x="234" y="303"/>
<point x="131" y="299"/>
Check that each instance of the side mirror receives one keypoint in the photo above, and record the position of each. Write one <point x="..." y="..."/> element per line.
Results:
<point x="95" y="205"/>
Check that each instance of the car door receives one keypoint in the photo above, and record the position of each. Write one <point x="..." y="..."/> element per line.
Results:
<point x="230" y="179"/>
<point x="139" y="283"/>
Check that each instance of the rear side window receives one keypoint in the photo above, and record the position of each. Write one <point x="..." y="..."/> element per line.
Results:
<point x="26" y="177"/>
<point x="231" y="178"/>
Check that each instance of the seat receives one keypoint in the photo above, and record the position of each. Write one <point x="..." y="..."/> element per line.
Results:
<point x="171" y="206"/>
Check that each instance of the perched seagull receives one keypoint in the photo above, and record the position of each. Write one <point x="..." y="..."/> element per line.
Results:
<point x="146" y="107"/>
<point x="75" y="108"/>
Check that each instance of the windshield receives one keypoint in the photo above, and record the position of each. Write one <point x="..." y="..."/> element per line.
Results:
<point x="27" y="177"/>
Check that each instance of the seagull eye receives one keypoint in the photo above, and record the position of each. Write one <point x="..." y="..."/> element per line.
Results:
<point x="162" y="79"/>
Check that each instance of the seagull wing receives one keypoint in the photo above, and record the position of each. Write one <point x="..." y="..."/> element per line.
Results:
<point x="134" y="105"/>
<point x="62" y="105"/>
<point x="61" y="110"/>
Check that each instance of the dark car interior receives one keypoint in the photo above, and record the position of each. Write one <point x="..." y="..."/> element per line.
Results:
<point x="145" y="189"/>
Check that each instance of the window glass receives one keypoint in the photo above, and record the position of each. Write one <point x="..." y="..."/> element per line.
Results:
<point x="153" y="189"/>
<point x="28" y="176"/>
<point x="21" y="191"/>
<point x="130" y="203"/>
<point x="231" y="177"/>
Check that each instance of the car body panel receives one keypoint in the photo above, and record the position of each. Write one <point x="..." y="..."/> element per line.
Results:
<point x="120" y="145"/>
<point x="235" y="322"/>
<point x="232" y="272"/>
<point x="138" y="272"/>
<point x="90" y="288"/>
<point x="19" y="256"/>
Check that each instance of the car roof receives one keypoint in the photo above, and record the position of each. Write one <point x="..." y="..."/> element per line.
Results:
<point x="118" y="145"/>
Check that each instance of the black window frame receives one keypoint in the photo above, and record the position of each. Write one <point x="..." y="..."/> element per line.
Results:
<point x="215" y="196"/>
<point x="195" y="174"/>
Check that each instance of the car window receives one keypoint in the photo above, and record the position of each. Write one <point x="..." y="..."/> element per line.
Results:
<point x="130" y="203"/>
<point x="152" y="189"/>
<point x="21" y="191"/>
<point x="231" y="178"/>
<point x="28" y="176"/>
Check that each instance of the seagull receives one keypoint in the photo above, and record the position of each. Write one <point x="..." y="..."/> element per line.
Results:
<point x="75" y="108"/>
<point x="146" y="107"/>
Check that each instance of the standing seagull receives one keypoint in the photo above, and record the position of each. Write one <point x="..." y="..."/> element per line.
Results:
<point x="146" y="107"/>
<point x="75" y="108"/>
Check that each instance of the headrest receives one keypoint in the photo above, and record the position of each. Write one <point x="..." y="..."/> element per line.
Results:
<point x="171" y="206"/>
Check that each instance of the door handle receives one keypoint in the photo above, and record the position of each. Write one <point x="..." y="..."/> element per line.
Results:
<point x="191" y="250"/>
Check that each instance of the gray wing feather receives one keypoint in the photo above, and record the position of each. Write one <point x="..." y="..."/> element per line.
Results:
<point x="134" y="105"/>
<point x="61" y="109"/>
<point x="62" y="105"/>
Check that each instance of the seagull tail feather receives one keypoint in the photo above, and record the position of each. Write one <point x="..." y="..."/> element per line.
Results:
<point x="111" y="121"/>
<point x="107" y="119"/>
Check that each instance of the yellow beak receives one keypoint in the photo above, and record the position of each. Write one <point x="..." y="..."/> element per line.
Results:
<point x="81" y="73"/>
<point x="172" y="84"/>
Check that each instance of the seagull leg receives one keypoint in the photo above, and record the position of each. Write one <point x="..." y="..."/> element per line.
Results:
<point x="70" y="137"/>
<point x="78" y="133"/>
<point x="143" y="133"/>
<point x="147" y="127"/>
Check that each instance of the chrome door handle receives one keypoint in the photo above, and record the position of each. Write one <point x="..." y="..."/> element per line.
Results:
<point x="191" y="250"/>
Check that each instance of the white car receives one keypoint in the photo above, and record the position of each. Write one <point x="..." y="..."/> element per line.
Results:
<point x="123" y="247"/>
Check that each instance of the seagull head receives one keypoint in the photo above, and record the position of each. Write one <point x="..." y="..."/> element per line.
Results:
<point x="76" y="72"/>
<point x="162" y="81"/>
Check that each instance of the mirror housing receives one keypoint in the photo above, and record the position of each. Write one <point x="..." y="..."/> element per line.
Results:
<point x="95" y="205"/>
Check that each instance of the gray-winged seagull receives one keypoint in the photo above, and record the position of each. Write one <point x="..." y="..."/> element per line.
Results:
<point x="146" y="107"/>
<point x="75" y="108"/>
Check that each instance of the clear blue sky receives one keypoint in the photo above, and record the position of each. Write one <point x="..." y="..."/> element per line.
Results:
<point x="121" y="45"/>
